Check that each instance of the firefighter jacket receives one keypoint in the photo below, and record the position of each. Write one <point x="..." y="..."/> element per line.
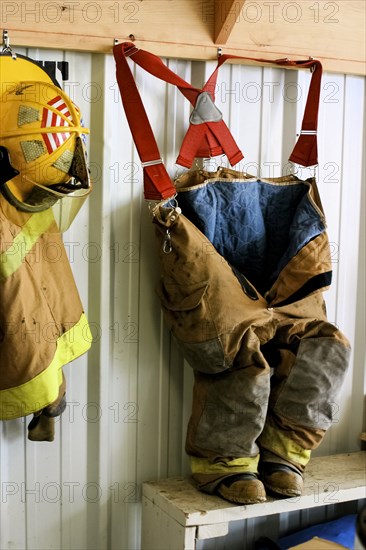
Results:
<point x="42" y="323"/>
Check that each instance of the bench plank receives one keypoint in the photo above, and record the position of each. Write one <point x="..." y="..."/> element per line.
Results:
<point x="328" y="480"/>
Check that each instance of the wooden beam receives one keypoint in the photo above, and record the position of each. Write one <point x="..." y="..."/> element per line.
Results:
<point x="258" y="29"/>
<point x="227" y="13"/>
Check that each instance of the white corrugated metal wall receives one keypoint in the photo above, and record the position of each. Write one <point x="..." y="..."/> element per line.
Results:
<point x="129" y="398"/>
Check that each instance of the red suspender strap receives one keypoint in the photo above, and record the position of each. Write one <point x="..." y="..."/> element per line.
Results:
<point x="305" y="151"/>
<point x="203" y="138"/>
<point x="157" y="183"/>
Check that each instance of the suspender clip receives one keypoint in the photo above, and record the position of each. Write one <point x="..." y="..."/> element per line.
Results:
<point x="151" y="162"/>
<point x="129" y="50"/>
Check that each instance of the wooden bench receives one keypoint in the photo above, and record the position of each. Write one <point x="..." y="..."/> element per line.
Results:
<point x="175" y="515"/>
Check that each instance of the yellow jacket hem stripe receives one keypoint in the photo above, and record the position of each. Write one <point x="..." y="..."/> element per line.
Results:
<point x="42" y="390"/>
<point x="237" y="465"/>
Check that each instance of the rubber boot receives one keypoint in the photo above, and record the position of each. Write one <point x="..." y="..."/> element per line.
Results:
<point x="281" y="479"/>
<point x="243" y="488"/>
<point x="41" y="428"/>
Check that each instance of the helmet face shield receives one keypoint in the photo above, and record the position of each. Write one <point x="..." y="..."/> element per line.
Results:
<point x="40" y="199"/>
<point x="66" y="209"/>
<point x="43" y="203"/>
<point x="43" y="160"/>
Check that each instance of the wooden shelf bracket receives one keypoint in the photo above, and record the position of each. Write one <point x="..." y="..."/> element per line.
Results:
<point x="227" y="13"/>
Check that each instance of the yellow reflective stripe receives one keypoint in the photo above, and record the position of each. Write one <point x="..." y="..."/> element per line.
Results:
<point x="13" y="257"/>
<point x="237" y="465"/>
<point x="279" y="443"/>
<point x="44" y="388"/>
<point x="47" y="130"/>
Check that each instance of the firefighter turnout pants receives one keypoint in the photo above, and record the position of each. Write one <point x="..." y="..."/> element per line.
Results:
<point x="268" y="365"/>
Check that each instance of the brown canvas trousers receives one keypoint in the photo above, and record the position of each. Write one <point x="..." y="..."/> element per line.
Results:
<point x="268" y="368"/>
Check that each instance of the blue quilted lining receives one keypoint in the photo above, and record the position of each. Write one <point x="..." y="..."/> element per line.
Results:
<point x="256" y="226"/>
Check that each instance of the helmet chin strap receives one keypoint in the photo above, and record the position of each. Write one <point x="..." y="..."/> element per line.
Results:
<point x="38" y="200"/>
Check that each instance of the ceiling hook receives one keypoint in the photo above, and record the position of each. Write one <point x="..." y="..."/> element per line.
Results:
<point x="6" y="40"/>
<point x="6" y="44"/>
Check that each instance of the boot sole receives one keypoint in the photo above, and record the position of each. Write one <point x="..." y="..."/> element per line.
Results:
<point x="232" y="496"/>
<point x="283" y="492"/>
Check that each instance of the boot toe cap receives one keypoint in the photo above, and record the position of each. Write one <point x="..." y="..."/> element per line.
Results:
<point x="242" y="490"/>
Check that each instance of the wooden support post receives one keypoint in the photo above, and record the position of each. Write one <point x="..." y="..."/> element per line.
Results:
<point x="227" y="13"/>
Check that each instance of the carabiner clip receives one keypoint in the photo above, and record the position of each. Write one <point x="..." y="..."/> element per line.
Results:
<point x="167" y="245"/>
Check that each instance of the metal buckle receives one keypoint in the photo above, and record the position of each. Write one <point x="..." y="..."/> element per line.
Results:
<point x="151" y="163"/>
<point x="130" y="50"/>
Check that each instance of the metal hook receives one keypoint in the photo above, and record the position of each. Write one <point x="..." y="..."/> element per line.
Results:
<point x="177" y="175"/>
<point x="167" y="245"/>
<point x="219" y="52"/>
<point x="6" y="40"/>
<point x="6" y="44"/>
<point x="313" y="67"/>
<point x="223" y="159"/>
<point x="295" y="170"/>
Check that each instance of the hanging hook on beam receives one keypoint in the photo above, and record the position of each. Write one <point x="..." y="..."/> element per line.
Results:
<point x="6" y="44"/>
<point x="6" y="40"/>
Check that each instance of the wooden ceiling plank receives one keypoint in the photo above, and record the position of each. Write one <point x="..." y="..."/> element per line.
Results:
<point x="227" y="12"/>
<point x="269" y="30"/>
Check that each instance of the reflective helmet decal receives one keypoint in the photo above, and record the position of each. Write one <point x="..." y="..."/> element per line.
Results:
<point x="64" y="162"/>
<point x="27" y="115"/>
<point x="32" y="149"/>
<point x="51" y="119"/>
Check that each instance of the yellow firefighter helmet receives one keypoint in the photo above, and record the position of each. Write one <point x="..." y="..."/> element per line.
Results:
<point x="42" y="150"/>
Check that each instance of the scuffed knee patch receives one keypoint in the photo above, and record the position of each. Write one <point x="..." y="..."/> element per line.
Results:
<point x="309" y="395"/>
